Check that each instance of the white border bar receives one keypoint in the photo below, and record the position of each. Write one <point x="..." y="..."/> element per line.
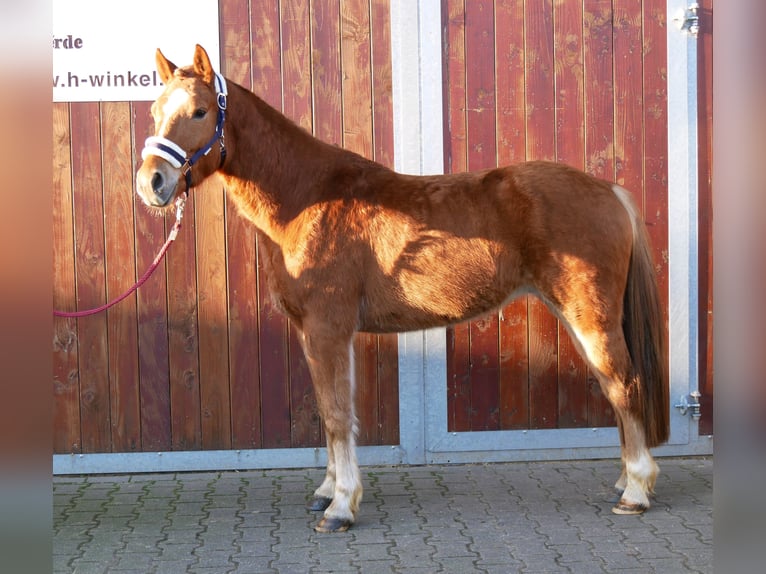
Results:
<point x="209" y="460"/>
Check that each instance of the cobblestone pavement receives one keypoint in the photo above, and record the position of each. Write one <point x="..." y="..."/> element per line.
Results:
<point x="494" y="518"/>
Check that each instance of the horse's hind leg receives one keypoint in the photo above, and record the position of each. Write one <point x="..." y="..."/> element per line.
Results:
<point x="605" y="350"/>
<point x="639" y="469"/>
<point x="330" y="361"/>
<point x="622" y="482"/>
<point x="639" y="472"/>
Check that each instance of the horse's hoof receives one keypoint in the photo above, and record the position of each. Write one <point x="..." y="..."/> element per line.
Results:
<point x="333" y="525"/>
<point x="319" y="503"/>
<point x="624" y="508"/>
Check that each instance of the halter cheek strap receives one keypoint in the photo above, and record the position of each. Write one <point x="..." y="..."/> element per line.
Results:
<point x="175" y="155"/>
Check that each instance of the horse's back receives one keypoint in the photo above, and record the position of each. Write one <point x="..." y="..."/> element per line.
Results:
<point x="447" y="248"/>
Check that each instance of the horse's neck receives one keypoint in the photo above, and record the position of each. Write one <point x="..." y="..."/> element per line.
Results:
<point x="270" y="157"/>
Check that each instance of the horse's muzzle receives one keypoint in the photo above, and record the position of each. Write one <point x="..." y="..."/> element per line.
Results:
<point x="157" y="182"/>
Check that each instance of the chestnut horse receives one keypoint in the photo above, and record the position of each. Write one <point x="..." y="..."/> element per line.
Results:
<point x="351" y="245"/>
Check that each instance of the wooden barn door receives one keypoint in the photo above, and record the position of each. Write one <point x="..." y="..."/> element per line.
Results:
<point x="580" y="83"/>
<point x="583" y="83"/>
<point x="199" y="359"/>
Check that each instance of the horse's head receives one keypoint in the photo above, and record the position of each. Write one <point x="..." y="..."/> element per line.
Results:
<point x="188" y="124"/>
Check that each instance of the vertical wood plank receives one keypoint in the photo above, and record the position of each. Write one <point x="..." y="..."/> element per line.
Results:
<point x="296" y="62"/>
<point x="388" y="375"/>
<point x="511" y="148"/>
<point x="266" y="29"/>
<point x="382" y="93"/>
<point x="599" y="99"/>
<point x="326" y="71"/>
<point x="90" y="274"/>
<point x="383" y="152"/>
<point x="183" y="336"/>
<point x="327" y="126"/>
<point x="356" y="75"/>
<point x="628" y="136"/>
<point x="570" y="136"/>
<point x="236" y="40"/>
<point x="628" y="96"/>
<point x="655" y="120"/>
<point x="66" y="384"/>
<point x="215" y="400"/>
<point x="152" y="311"/>
<point x="705" y="128"/>
<point x="296" y="95"/>
<point x="356" y="58"/>
<point x="482" y="154"/>
<point x="241" y="257"/>
<point x="455" y="161"/>
<point x="541" y="122"/>
<point x="244" y="340"/>
<point x="599" y="128"/>
<point x="366" y="372"/>
<point x="121" y="274"/>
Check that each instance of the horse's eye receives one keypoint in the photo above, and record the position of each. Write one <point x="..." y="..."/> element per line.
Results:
<point x="199" y="113"/>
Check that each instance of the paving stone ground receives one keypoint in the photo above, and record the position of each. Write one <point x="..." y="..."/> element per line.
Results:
<point x="537" y="517"/>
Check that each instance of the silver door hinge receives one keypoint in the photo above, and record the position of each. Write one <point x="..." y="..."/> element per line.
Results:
<point x="691" y="404"/>
<point x="689" y="21"/>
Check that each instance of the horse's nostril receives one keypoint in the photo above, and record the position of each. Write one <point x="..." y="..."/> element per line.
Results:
<point x="157" y="181"/>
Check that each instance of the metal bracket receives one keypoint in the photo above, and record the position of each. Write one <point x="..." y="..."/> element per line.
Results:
<point x="689" y="22"/>
<point x="691" y="404"/>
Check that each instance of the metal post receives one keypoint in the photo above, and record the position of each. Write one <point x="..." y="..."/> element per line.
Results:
<point x="682" y="210"/>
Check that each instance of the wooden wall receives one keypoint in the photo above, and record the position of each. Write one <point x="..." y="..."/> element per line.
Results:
<point x="581" y="83"/>
<point x="199" y="358"/>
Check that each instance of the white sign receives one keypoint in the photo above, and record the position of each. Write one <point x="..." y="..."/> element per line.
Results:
<point x="104" y="51"/>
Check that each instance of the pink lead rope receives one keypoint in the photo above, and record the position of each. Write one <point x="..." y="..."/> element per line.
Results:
<point x="180" y="202"/>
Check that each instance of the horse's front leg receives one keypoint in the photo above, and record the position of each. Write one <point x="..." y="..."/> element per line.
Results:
<point x="329" y="357"/>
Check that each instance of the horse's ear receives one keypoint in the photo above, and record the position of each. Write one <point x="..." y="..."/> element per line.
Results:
<point x="164" y="66"/>
<point x="202" y="65"/>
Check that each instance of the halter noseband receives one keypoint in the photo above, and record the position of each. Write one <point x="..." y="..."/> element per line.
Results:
<point x="175" y="154"/>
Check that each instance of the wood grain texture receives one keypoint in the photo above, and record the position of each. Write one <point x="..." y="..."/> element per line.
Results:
<point x="570" y="149"/>
<point x="273" y="327"/>
<point x="705" y="181"/>
<point x="298" y="105"/>
<point x="571" y="83"/>
<point x="541" y="121"/>
<point x="120" y="255"/>
<point x="326" y="71"/>
<point x="183" y="336"/>
<point x="153" y="350"/>
<point x="215" y="398"/>
<point x="356" y="125"/>
<point x="241" y="259"/>
<point x="456" y="160"/>
<point x="655" y="122"/>
<point x="387" y="355"/>
<point x="95" y="416"/>
<point x="200" y="358"/>
<point x="482" y="154"/>
<point x="66" y="375"/>
<point x="511" y="148"/>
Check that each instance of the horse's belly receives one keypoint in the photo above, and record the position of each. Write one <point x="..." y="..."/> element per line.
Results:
<point x="436" y="289"/>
